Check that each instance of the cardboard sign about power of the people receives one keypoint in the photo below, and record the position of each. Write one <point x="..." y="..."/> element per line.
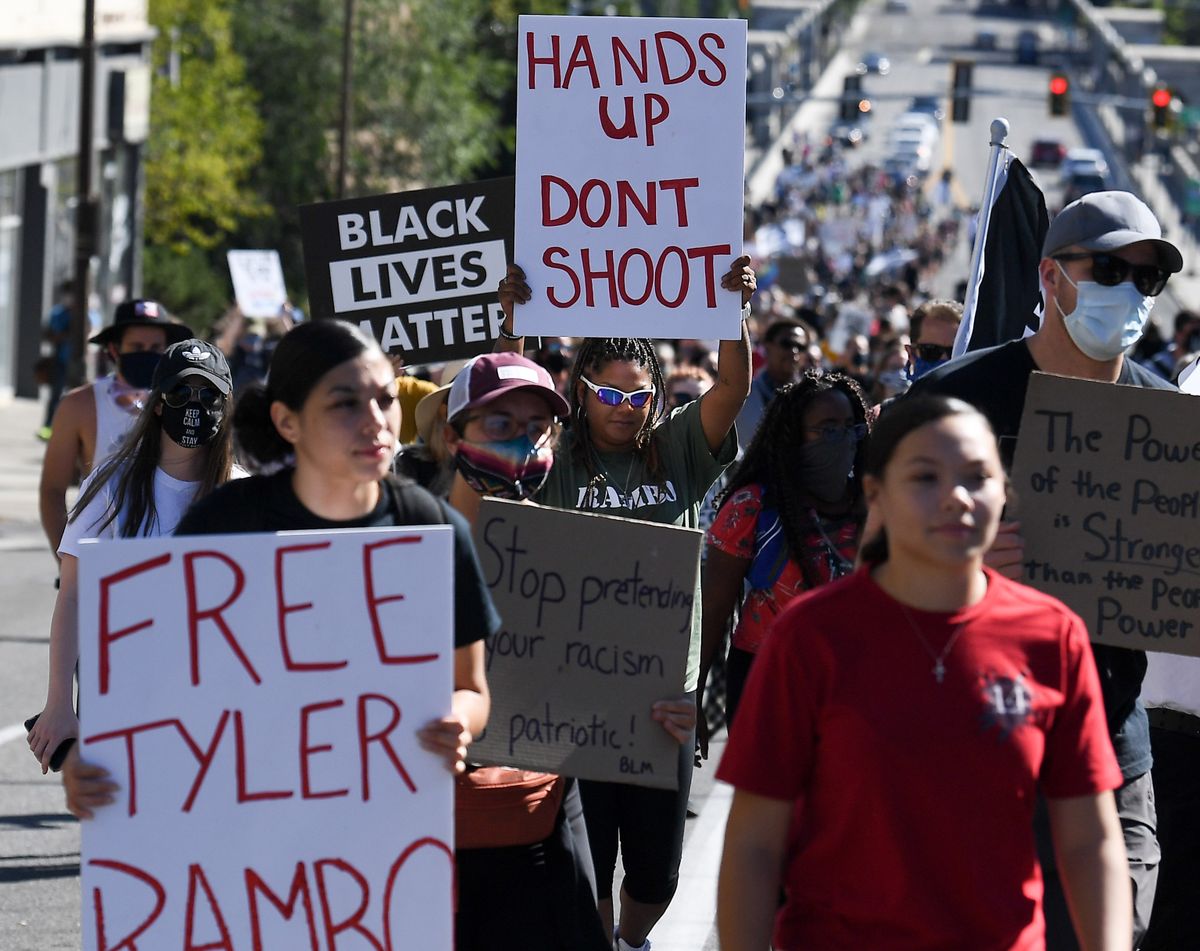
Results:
<point x="630" y="141"/>
<point x="419" y="270"/>
<point x="597" y="619"/>
<point x="256" y="698"/>
<point x="258" y="284"/>
<point x="1105" y="478"/>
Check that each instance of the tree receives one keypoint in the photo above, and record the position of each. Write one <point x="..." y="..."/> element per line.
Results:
<point x="204" y="141"/>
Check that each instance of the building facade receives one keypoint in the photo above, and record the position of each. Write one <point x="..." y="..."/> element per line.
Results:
<point x="40" y="70"/>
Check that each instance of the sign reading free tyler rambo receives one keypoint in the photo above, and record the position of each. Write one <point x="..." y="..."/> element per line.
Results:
<point x="597" y="620"/>
<point x="419" y="270"/>
<point x="1109" y="504"/>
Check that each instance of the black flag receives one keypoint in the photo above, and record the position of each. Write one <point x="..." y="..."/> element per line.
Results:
<point x="1004" y="300"/>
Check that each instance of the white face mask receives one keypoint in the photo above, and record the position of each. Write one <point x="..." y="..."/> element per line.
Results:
<point x="1106" y="321"/>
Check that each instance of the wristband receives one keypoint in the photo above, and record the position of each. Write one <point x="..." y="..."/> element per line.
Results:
<point x="507" y="336"/>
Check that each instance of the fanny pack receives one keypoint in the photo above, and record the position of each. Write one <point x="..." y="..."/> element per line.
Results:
<point x="495" y="806"/>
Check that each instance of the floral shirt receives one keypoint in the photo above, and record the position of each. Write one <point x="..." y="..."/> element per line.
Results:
<point x="745" y="529"/>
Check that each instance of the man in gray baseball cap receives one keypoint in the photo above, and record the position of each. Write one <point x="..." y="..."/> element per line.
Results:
<point x="1103" y="262"/>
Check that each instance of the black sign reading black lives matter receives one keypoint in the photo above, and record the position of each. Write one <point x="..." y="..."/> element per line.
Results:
<point x="419" y="269"/>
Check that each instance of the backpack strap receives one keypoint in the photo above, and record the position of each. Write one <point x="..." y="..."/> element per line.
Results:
<point x="414" y="505"/>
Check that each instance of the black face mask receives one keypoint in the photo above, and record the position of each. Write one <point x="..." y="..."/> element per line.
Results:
<point x="137" y="368"/>
<point x="824" y="468"/>
<point x="190" y="425"/>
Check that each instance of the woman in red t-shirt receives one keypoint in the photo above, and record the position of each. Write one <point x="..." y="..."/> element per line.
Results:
<point x="899" y="723"/>
<point x="787" y="523"/>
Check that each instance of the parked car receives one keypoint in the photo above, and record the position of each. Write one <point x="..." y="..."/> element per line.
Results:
<point x="874" y="63"/>
<point x="928" y="105"/>
<point x="1082" y="162"/>
<point x="1026" y="50"/>
<point x="1047" y="152"/>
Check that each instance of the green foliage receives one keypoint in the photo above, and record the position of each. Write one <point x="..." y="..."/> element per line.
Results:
<point x="194" y="284"/>
<point x="204" y="129"/>
<point x="1181" y="22"/>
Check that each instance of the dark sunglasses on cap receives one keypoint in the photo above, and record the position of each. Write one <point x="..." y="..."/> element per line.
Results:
<point x="932" y="352"/>
<point x="611" y="396"/>
<point x="181" y="394"/>
<point x="1110" y="270"/>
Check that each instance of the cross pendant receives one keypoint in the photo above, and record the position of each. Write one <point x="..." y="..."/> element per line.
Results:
<point x="939" y="670"/>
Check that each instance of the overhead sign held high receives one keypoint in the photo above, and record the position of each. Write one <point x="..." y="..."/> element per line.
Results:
<point x="419" y="270"/>
<point x="630" y="142"/>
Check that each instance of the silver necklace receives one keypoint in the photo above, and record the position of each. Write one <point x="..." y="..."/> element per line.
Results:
<point x="610" y="480"/>
<point x="939" y="660"/>
<point x="839" y="565"/>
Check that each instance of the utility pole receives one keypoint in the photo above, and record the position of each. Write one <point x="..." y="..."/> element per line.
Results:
<point x="85" y="205"/>
<point x="347" y="89"/>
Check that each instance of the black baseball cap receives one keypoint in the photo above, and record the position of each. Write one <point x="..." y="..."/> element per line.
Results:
<point x="193" y="358"/>
<point x="142" y="313"/>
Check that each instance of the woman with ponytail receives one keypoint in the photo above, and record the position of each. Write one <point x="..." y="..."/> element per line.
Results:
<point x="328" y="415"/>
<point x="179" y="450"/>
<point x="622" y="454"/>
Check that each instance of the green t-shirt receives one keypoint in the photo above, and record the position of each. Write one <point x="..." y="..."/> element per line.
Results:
<point x="626" y="490"/>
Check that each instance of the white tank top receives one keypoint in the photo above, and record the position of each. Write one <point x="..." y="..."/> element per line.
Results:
<point x="113" y="421"/>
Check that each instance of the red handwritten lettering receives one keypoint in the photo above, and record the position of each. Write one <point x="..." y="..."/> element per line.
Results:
<point x="712" y="39"/>
<point x="366" y="738"/>
<point x="160" y="899"/>
<point x="203" y="757"/>
<point x="239" y="739"/>
<point x="196" y="876"/>
<point x="216" y="615"/>
<point x="426" y="843"/>
<point x="283" y="609"/>
<point x="306" y="750"/>
<point x="128" y="733"/>
<point x="374" y="600"/>
<point x="354" y="921"/>
<point x="299" y="890"/>
<point x="107" y="636"/>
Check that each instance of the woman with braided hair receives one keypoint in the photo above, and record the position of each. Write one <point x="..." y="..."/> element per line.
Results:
<point x="789" y="520"/>
<point x="623" y="454"/>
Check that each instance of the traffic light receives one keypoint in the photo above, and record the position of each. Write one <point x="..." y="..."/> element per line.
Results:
<point x="1060" y="95"/>
<point x="852" y="98"/>
<point x="960" y="109"/>
<point x="1160" y="99"/>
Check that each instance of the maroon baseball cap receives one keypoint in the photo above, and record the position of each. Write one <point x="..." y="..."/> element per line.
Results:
<point x="490" y="376"/>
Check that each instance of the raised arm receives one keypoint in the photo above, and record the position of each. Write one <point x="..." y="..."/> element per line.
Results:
<point x="513" y="290"/>
<point x="720" y="406"/>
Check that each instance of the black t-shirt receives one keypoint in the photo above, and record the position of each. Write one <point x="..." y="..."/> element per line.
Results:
<point x="269" y="504"/>
<point x="995" y="381"/>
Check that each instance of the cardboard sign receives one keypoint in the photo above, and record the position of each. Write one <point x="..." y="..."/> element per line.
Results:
<point x="257" y="282"/>
<point x="256" y="698"/>
<point x="1105" y="480"/>
<point x="593" y="635"/>
<point x="630" y="142"/>
<point x="419" y="270"/>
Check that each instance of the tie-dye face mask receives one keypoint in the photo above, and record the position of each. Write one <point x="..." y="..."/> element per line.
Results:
<point x="513" y="469"/>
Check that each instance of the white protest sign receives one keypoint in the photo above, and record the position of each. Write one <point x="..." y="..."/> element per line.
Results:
<point x="257" y="282"/>
<point x="630" y="142"/>
<point x="256" y="698"/>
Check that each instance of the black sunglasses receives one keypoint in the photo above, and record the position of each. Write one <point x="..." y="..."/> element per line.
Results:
<point x="181" y="394"/>
<point x="1110" y="270"/>
<point x="932" y="352"/>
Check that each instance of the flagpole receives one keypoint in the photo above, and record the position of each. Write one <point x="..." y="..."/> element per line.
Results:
<point x="999" y="129"/>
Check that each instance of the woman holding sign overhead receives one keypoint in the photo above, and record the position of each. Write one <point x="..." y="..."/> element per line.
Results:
<point x="329" y="412"/>
<point x="623" y="455"/>
<point x="899" y="723"/>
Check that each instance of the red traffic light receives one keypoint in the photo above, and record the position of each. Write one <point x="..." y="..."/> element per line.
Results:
<point x="1161" y="98"/>
<point x="1058" y="85"/>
